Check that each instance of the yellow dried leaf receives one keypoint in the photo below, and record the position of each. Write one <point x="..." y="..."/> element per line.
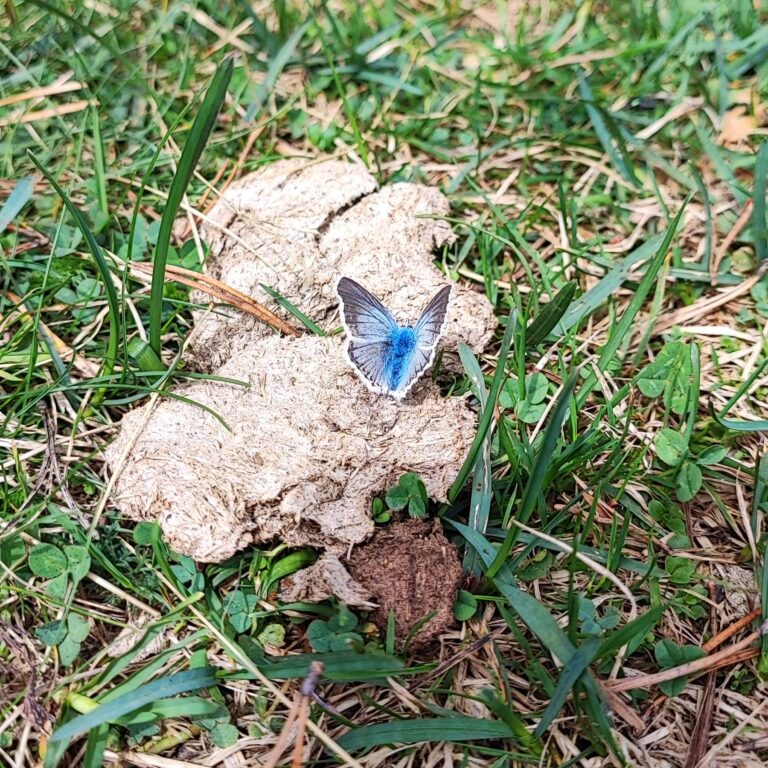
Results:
<point x="737" y="126"/>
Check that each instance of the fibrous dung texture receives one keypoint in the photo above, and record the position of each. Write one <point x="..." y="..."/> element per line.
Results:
<point x="306" y="447"/>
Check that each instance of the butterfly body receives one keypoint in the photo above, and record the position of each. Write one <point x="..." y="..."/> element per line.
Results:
<point x="388" y="357"/>
<point x="401" y="345"/>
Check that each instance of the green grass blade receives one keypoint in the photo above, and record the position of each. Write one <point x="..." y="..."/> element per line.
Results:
<point x="181" y="682"/>
<point x="482" y="487"/>
<point x="19" y="197"/>
<point x="456" y="729"/>
<point x="276" y="66"/>
<point x="709" y="224"/>
<point x="531" y="611"/>
<point x="516" y="724"/>
<point x="295" y="311"/>
<point x="113" y="304"/>
<point x="135" y="220"/>
<point x="608" y="352"/>
<point x="486" y="416"/>
<point x="572" y="671"/>
<point x="759" y="223"/>
<point x="164" y="709"/>
<point x="57" y="750"/>
<point x="341" y="666"/>
<point x="638" y="626"/>
<point x="694" y="391"/>
<point x="756" y="524"/>
<point x="544" y="323"/>
<point x="379" y="38"/>
<point x="99" y="168"/>
<point x="536" y="481"/>
<point x="596" y="296"/>
<point x="193" y="148"/>
<point x="758" y="425"/>
<point x="143" y="355"/>
<point x="95" y="746"/>
<point x="602" y="123"/>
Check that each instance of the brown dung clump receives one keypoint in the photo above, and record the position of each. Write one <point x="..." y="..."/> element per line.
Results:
<point x="413" y="571"/>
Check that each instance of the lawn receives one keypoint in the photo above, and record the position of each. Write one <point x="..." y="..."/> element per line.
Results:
<point x="605" y="169"/>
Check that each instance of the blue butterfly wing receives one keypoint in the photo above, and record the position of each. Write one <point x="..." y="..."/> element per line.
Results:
<point x="428" y="329"/>
<point x="370" y="327"/>
<point x="363" y="316"/>
<point x="372" y="360"/>
<point x="430" y="325"/>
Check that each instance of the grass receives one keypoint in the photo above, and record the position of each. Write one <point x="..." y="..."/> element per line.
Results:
<point x="617" y="531"/>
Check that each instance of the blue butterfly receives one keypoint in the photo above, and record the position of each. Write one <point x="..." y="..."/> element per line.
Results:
<point x="388" y="357"/>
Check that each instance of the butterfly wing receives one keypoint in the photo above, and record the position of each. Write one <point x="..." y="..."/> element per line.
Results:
<point x="363" y="316"/>
<point x="430" y="325"/>
<point x="370" y="327"/>
<point x="371" y="359"/>
<point x="428" y="329"/>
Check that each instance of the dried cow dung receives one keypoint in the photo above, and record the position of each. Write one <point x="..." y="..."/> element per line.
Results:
<point x="297" y="455"/>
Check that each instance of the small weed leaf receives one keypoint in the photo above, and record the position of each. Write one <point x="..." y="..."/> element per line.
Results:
<point x="344" y="619"/>
<point x="319" y="636"/>
<point x="239" y="607"/>
<point x="688" y="481"/>
<point x="78" y="627"/>
<point x="379" y="511"/>
<point x="69" y="650"/>
<point x="47" y="561"/>
<point x="218" y="714"/>
<point x="712" y="455"/>
<point x="409" y="492"/>
<point x="671" y="446"/>
<point x="87" y="290"/>
<point x="57" y="588"/>
<point x="336" y="633"/>
<point x="323" y="639"/>
<point x="668" y="515"/>
<point x="224" y="735"/>
<point x="186" y="572"/>
<point x="508" y="397"/>
<point x="591" y="623"/>
<point x="680" y="570"/>
<point x="465" y="607"/>
<point x="140" y="732"/>
<point x="537" y="567"/>
<point x="272" y="634"/>
<point x="531" y="409"/>
<point x="669" y="654"/>
<point x="143" y="533"/>
<point x="78" y="561"/>
<point x="669" y="375"/>
<point x="536" y="388"/>
<point x="51" y="633"/>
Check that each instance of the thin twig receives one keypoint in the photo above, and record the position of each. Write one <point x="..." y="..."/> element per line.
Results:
<point x="222" y="292"/>
<point x="726" y="656"/>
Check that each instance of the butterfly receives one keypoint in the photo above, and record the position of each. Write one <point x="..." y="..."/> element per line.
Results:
<point x="388" y="357"/>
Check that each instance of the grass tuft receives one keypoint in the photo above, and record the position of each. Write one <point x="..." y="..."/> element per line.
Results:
<point x="606" y="170"/>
